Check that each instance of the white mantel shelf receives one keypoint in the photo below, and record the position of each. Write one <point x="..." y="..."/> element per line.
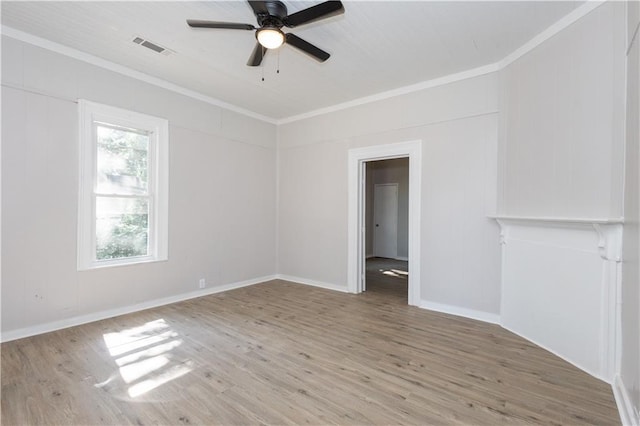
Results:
<point x="548" y="219"/>
<point x="608" y="230"/>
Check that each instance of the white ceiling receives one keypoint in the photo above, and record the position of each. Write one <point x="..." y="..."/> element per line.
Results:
<point x="376" y="46"/>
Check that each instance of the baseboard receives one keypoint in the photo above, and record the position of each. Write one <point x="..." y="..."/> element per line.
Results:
<point x="461" y="312"/>
<point x="313" y="283"/>
<point x="628" y="413"/>
<point x="404" y="259"/>
<point x="109" y="313"/>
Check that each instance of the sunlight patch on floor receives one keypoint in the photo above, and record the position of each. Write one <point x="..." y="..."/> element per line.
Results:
<point x="144" y="356"/>
<point x="134" y="371"/>
<point x="395" y="273"/>
<point x="150" y="352"/>
<point x="159" y="379"/>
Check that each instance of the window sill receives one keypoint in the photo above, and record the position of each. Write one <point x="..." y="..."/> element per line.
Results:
<point x="122" y="262"/>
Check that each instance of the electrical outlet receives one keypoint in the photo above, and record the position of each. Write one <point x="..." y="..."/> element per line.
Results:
<point x="202" y="283"/>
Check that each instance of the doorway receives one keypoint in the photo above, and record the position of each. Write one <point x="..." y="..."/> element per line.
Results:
<point x="357" y="249"/>
<point x="386" y="223"/>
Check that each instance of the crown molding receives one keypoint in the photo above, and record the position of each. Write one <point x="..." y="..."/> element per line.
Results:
<point x="545" y="35"/>
<point x="440" y="81"/>
<point x="554" y="29"/>
<point x="120" y="69"/>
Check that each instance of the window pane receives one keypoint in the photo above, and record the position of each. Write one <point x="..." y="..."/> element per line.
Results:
<point x="122" y="227"/>
<point x="122" y="161"/>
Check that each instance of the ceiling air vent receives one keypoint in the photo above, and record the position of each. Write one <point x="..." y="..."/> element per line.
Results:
<point x="153" y="46"/>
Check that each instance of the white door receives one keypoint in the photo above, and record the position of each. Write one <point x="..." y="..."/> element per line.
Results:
<point x="385" y="220"/>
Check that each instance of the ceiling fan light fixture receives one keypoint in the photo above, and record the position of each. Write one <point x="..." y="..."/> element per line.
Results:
<point x="270" y="37"/>
<point x="271" y="16"/>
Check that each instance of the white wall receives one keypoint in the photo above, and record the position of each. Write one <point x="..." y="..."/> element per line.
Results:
<point x="457" y="124"/>
<point x="222" y="193"/>
<point x="561" y="112"/>
<point x="389" y="171"/>
<point x="629" y="380"/>
<point x="561" y="159"/>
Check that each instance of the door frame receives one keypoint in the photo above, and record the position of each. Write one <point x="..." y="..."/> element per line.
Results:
<point x="373" y="234"/>
<point x="357" y="157"/>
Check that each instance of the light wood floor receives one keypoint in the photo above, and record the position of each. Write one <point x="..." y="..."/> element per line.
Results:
<point x="283" y="353"/>
<point x="388" y="278"/>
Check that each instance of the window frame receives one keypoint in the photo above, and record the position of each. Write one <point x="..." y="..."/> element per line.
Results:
<point x="91" y="113"/>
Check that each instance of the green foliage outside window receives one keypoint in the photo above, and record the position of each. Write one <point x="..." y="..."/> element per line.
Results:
<point x="128" y="238"/>
<point x="122" y="225"/>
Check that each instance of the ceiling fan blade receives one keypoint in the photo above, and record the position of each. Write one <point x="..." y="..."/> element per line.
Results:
<point x="306" y="47"/>
<point x="259" y="7"/>
<point x="194" y="23"/>
<point x="314" y="13"/>
<point x="257" y="55"/>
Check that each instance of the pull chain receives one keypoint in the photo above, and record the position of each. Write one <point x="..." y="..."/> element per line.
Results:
<point x="277" y="67"/>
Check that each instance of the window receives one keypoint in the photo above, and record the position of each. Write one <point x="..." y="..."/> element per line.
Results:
<point x="123" y="202"/>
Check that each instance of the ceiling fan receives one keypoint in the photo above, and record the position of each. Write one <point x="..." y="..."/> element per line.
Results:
<point x="271" y="17"/>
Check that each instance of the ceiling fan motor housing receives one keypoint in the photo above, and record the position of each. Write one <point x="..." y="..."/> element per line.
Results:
<point x="274" y="14"/>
